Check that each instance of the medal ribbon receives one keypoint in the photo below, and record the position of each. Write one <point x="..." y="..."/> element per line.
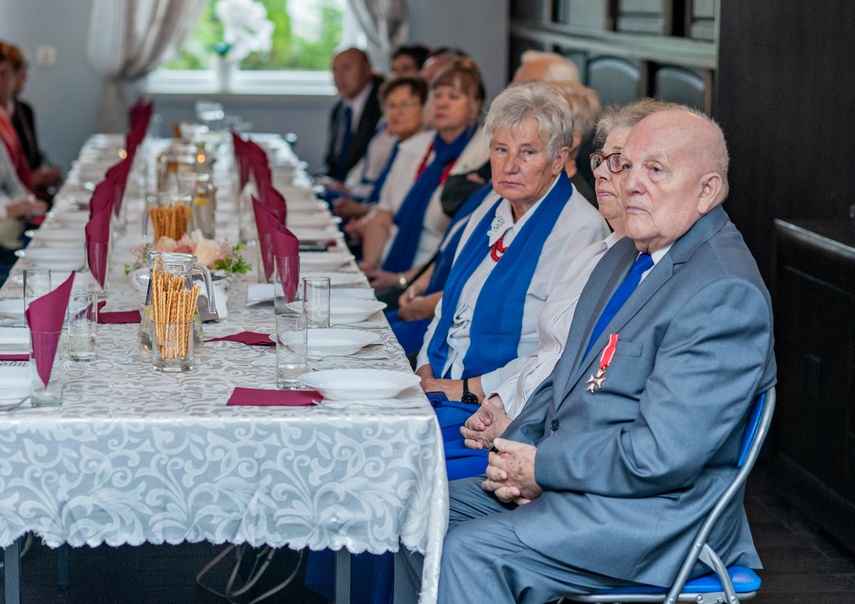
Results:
<point x="609" y="352"/>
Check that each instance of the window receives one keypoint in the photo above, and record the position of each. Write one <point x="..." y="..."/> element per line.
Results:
<point x="305" y="35"/>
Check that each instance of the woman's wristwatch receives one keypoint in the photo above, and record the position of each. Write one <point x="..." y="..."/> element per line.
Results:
<point x="468" y="397"/>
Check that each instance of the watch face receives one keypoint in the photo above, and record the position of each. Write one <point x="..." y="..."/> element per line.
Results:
<point x="469" y="398"/>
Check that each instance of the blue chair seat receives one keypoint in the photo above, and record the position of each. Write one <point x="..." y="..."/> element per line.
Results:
<point x="744" y="580"/>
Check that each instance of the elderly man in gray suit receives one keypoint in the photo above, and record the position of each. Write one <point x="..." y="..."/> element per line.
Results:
<point x="605" y="477"/>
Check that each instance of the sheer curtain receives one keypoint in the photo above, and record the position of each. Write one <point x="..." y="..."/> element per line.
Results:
<point x="385" y="24"/>
<point x="130" y="38"/>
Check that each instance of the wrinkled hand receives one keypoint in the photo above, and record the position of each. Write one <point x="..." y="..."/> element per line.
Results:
<point x="510" y="473"/>
<point x="380" y="279"/>
<point x="415" y="308"/>
<point x="46" y="177"/>
<point x="453" y="388"/>
<point x="486" y="424"/>
<point x="347" y="208"/>
<point x="25" y="207"/>
<point x="355" y="228"/>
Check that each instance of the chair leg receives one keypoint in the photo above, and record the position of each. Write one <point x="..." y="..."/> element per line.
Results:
<point x="62" y="566"/>
<point x="12" y="571"/>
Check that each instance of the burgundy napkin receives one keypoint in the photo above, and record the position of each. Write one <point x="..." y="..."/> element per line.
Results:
<point x="274" y="201"/>
<point x="14" y="357"/>
<point x="259" y="166"/>
<point x="45" y="316"/>
<point x="97" y="230"/>
<point x="242" y="158"/>
<point x="272" y="398"/>
<point x="247" y="337"/>
<point x="285" y="243"/>
<point x="117" y="317"/>
<point x="118" y="175"/>
<point x="265" y="237"/>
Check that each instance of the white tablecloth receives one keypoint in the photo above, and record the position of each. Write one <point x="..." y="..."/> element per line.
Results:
<point x="136" y="456"/>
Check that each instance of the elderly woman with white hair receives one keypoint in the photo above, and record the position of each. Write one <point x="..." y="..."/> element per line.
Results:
<point x="515" y="248"/>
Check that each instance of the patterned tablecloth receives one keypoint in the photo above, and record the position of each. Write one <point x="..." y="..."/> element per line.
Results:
<point x="136" y="456"/>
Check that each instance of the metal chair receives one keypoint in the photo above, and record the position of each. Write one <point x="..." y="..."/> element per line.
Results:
<point x="729" y="585"/>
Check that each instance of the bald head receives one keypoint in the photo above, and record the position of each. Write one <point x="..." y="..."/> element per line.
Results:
<point x="546" y="67"/>
<point x="351" y="72"/>
<point x="675" y="171"/>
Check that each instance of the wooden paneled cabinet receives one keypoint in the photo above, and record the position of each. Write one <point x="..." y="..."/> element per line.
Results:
<point x="814" y="426"/>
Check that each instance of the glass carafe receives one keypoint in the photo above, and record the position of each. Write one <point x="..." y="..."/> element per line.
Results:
<point x="183" y="265"/>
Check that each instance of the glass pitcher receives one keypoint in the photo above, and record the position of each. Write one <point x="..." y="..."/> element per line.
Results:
<point x="185" y="266"/>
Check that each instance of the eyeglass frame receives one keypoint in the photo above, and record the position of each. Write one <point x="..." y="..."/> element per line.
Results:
<point x="403" y="105"/>
<point x="606" y="159"/>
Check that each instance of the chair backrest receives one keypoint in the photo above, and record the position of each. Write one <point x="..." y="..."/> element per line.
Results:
<point x="756" y="430"/>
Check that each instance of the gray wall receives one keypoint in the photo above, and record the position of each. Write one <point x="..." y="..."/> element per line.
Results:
<point x="66" y="96"/>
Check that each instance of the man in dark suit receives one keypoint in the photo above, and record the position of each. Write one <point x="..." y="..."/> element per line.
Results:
<point x="605" y="477"/>
<point x="354" y="118"/>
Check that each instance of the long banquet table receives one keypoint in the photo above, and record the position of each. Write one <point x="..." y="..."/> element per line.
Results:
<point x="136" y="456"/>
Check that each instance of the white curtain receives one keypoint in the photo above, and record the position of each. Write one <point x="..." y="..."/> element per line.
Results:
<point x="386" y="25"/>
<point x="129" y="39"/>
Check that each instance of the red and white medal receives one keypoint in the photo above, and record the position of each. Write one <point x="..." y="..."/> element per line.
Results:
<point x="596" y="381"/>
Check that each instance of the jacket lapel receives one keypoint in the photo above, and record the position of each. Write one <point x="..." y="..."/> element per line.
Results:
<point x="661" y="273"/>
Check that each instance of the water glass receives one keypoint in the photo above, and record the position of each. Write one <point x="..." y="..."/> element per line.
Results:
<point x="173" y="346"/>
<point x="36" y="284"/>
<point x="286" y="278"/>
<point x="316" y="301"/>
<point x="291" y="350"/>
<point x="82" y="325"/>
<point x="47" y="378"/>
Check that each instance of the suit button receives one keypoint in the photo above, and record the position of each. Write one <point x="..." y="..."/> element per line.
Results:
<point x="554" y="425"/>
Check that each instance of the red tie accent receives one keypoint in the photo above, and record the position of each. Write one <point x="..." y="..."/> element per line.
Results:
<point x="497" y="249"/>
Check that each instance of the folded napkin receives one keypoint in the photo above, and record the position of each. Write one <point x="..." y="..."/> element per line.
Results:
<point x="285" y="244"/>
<point x="242" y="159"/>
<point x="265" y="238"/>
<point x="118" y="177"/>
<point x="97" y="230"/>
<point x="273" y="201"/>
<point x="117" y="317"/>
<point x="247" y="337"/>
<point x="14" y="357"/>
<point x="272" y="398"/>
<point x="45" y="316"/>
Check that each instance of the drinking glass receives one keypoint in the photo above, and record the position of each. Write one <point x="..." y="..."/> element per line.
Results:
<point x="316" y="301"/>
<point x="82" y="325"/>
<point x="36" y="284"/>
<point x="291" y="350"/>
<point x="47" y="377"/>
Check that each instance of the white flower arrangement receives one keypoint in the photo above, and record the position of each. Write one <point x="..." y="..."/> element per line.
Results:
<point x="247" y="28"/>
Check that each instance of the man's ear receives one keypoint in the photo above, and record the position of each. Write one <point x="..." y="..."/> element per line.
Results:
<point x="711" y="191"/>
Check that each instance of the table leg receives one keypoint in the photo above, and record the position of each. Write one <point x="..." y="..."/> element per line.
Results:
<point x="342" y="576"/>
<point x="12" y="571"/>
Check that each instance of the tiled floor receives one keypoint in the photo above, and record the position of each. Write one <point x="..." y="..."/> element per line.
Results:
<point x="802" y="565"/>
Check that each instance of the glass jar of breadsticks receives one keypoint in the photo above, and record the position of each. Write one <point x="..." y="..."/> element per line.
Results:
<point x="181" y="266"/>
<point x="173" y="311"/>
<point x="168" y="215"/>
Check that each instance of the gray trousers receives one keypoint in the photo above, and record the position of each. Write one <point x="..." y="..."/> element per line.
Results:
<point x="482" y="558"/>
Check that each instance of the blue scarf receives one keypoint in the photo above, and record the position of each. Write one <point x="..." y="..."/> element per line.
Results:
<point x="410" y="217"/>
<point x="445" y="256"/>
<point x="497" y="323"/>
<point x="374" y="196"/>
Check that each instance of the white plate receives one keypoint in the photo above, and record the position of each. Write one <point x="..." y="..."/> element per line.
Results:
<point x="359" y="384"/>
<point x="15" y="336"/>
<point x="322" y="260"/>
<point x="60" y="258"/>
<point x="306" y="234"/>
<point x="338" y="342"/>
<point x="318" y="221"/>
<point x="71" y="219"/>
<point x="338" y="278"/>
<point x="13" y="307"/>
<point x="344" y="311"/>
<point x="16" y="383"/>
<point x="55" y="237"/>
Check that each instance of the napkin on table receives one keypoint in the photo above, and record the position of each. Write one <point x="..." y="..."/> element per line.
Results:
<point x="250" y="338"/>
<point x="97" y="230"/>
<point x="117" y="317"/>
<point x="46" y="315"/>
<point x="285" y="243"/>
<point x="273" y="398"/>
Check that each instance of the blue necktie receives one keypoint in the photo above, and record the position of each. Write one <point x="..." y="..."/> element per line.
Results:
<point x="621" y="295"/>
<point x="345" y="140"/>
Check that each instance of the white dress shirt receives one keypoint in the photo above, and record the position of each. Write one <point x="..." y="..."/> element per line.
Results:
<point x="578" y="226"/>
<point x="401" y="177"/>
<point x="360" y="180"/>
<point x="553" y="326"/>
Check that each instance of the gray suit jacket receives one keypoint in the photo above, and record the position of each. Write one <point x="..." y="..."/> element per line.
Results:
<point x="630" y="471"/>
